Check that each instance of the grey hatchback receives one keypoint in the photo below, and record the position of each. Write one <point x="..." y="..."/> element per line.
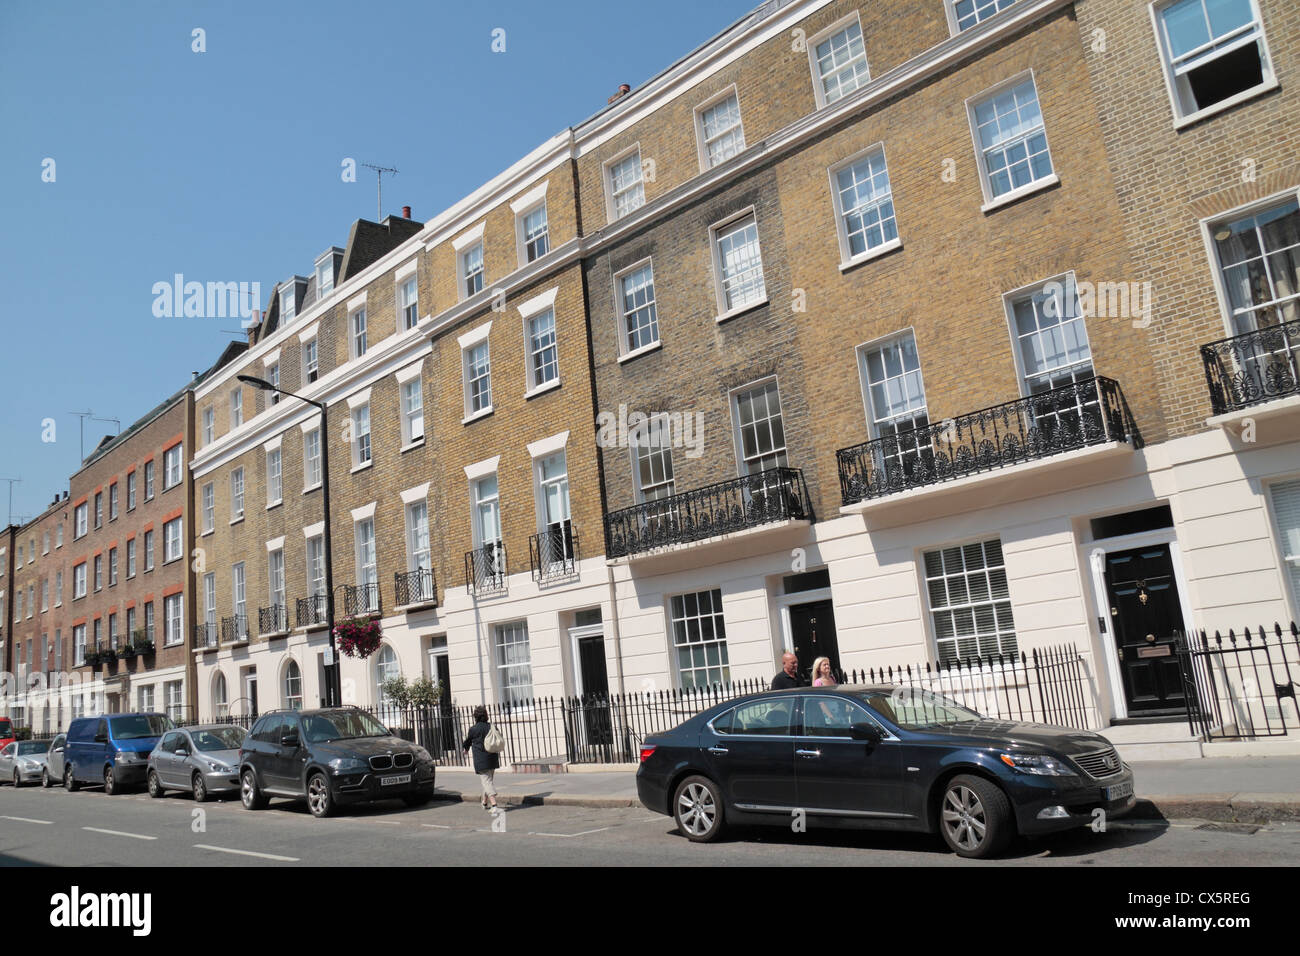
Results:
<point x="203" y="760"/>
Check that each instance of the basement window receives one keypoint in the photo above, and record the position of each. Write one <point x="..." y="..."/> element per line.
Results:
<point x="1213" y="53"/>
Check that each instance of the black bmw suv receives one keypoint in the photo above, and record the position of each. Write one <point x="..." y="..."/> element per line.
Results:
<point x="331" y="757"/>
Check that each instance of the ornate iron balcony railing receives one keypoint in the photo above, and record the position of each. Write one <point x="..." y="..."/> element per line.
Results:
<point x="234" y="628"/>
<point x="205" y="635"/>
<point x="415" y="587"/>
<point x="311" y="611"/>
<point x="273" y="619"/>
<point x="1253" y="367"/>
<point x="360" y="599"/>
<point x="485" y="569"/>
<point x="553" y="553"/>
<point x="1088" y="412"/>
<point x="750" y="501"/>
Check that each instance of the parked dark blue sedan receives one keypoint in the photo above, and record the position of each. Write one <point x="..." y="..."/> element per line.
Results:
<point x="881" y="758"/>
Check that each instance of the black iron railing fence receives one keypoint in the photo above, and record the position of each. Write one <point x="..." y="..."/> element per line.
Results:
<point x="205" y="635"/>
<point x="311" y="611"/>
<point x="1088" y="412"/>
<point x="1253" y="367"/>
<point x="1241" y="686"/>
<point x="273" y="619"/>
<point x="485" y="569"/>
<point x="553" y="554"/>
<point x="361" y="599"/>
<point x="777" y="494"/>
<point x="234" y="628"/>
<point x="415" y="587"/>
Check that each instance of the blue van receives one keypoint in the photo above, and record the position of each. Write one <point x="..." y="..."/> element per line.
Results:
<point x="112" y="749"/>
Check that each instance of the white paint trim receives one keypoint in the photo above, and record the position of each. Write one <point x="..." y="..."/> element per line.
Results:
<point x="275" y="544"/>
<point x="409" y="269"/>
<point x="548" y="446"/>
<point x="811" y="46"/>
<point x="412" y="495"/>
<point x="357" y="399"/>
<point x="364" y="512"/>
<point x="309" y="332"/>
<point x="529" y="199"/>
<point x="357" y="302"/>
<point x="468" y="238"/>
<point x="311" y="424"/>
<point x="475" y="336"/>
<point x="412" y="371"/>
<point x="537" y="304"/>
<point x="314" y="530"/>
<point x="271" y="357"/>
<point x="274" y="443"/>
<point x="481" y="469"/>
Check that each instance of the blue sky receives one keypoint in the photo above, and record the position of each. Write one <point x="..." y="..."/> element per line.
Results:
<point x="225" y="165"/>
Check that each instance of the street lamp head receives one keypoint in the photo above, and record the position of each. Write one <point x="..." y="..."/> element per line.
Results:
<point x="256" y="382"/>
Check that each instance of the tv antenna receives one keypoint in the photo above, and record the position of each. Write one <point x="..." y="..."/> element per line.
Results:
<point x="9" y="516"/>
<point x="379" y="174"/>
<point x="83" y="416"/>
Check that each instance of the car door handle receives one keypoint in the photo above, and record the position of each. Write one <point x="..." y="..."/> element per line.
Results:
<point x="717" y="750"/>
<point x="808" y="753"/>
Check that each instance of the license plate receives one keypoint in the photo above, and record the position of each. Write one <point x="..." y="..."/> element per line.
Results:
<point x="406" y="778"/>
<point x="1118" y="792"/>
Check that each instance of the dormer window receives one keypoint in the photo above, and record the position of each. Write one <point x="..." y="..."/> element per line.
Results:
<point x="326" y="270"/>
<point x="288" y="302"/>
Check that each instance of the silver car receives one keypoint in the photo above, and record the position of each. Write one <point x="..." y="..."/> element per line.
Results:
<point x="23" y="760"/>
<point x="52" y="772"/>
<point x="203" y="760"/>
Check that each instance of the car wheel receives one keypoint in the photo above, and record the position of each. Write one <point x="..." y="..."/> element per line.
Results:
<point x="70" y="784"/>
<point x="319" y="799"/>
<point x="110" y="781"/>
<point x="416" y="799"/>
<point x="155" y="785"/>
<point x="250" y="794"/>
<point x="697" y="808"/>
<point x="18" y="780"/>
<point x="200" y="788"/>
<point x="975" y="817"/>
<point x="45" y="777"/>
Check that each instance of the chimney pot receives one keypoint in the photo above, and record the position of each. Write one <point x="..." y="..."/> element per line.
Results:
<point x="623" y="90"/>
<point x="406" y="212"/>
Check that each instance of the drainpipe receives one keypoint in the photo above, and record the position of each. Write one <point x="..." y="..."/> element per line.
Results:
<point x="613" y="620"/>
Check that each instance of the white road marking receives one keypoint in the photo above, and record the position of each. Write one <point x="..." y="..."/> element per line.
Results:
<point x="261" y="856"/>
<point x="436" y="826"/>
<point x="567" y="836"/>
<point x="28" y="820"/>
<point x="133" y="836"/>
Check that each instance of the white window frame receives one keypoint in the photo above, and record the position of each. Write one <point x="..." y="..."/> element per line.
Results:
<point x="819" y="88"/>
<point x="954" y="25"/>
<point x="411" y="398"/>
<point x="236" y="494"/>
<point x="521" y="236"/>
<point x="534" y="309"/>
<point x="309" y="459"/>
<point x="516" y="701"/>
<point x="417" y="558"/>
<point x="274" y="476"/>
<point x="209" y="426"/>
<point x="702" y="144"/>
<point x="178" y="552"/>
<point x="477" y="501"/>
<point x="310" y="360"/>
<point x="607" y="177"/>
<point x="173" y="635"/>
<point x="621" y="314"/>
<point x="276" y="584"/>
<point x="363" y="451"/>
<point x="408" y="279"/>
<point x="847" y="256"/>
<point x="733" y="400"/>
<point x="173" y="470"/>
<point x="1268" y="76"/>
<point x="716" y="231"/>
<point x="924" y="579"/>
<point x="644" y="427"/>
<point x="236" y="407"/>
<point x="358" y="332"/>
<point x="130" y="561"/>
<point x="868" y="409"/>
<point x="148" y="550"/>
<point x="714" y="614"/>
<point x="367" y="561"/>
<point x="1009" y="299"/>
<point x="992" y="202"/>
<point x="1208" y="226"/>
<point x="469" y="342"/>
<point x="81" y="522"/>
<point x="463" y="245"/>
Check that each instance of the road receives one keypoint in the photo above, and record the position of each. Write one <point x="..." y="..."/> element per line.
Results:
<point x="89" y="828"/>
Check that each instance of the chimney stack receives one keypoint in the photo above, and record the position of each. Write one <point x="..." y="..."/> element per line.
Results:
<point x="406" y="212"/>
<point x="623" y="90"/>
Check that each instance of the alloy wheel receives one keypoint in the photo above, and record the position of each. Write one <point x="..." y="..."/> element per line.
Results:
<point x="696" y="809"/>
<point x="155" y="786"/>
<point x="964" y="818"/>
<point x="200" y="789"/>
<point x="18" y="782"/>
<point x="45" y="777"/>
<point x="318" y="796"/>
<point x="108" y="781"/>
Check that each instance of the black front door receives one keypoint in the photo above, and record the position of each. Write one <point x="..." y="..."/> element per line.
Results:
<point x="1146" y="613"/>
<point x="595" y="691"/>
<point x="446" y="726"/>
<point x="812" y="627"/>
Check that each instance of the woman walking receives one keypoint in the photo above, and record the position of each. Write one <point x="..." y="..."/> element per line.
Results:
<point x="823" y="676"/>
<point x="485" y="762"/>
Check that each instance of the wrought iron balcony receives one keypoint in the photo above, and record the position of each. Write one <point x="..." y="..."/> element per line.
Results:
<point x="485" y="569"/>
<point x="553" y="553"/>
<point x="360" y="600"/>
<point x="234" y="629"/>
<point x="415" y="587"/>
<point x="765" y="497"/>
<point x="1089" y="412"/>
<point x="273" y="619"/>
<point x="205" y="635"/>
<point x="311" y="611"/>
<point x="1253" y="367"/>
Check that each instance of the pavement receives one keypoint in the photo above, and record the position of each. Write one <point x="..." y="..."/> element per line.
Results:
<point x="1225" y="789"/>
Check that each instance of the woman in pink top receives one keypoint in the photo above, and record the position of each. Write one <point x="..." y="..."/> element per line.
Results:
<point x="822" y="676"/>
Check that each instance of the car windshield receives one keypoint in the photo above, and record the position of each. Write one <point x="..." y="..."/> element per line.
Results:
<point x="6" y="729"/>
<point x="140" y="726"/>
<point x="914" y="709"/>
<point x="319" y="728"/>
<point x="226" y="738"/>
<point x="29" y="747"/>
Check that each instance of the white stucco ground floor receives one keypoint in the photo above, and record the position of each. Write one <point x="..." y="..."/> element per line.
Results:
<point x="1107" y="552"/>
<point x="48" y="702"/>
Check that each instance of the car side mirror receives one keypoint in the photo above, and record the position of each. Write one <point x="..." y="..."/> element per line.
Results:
<point x="289" y="740"/>
<point x="182" y="751"/>
<point x="868" y="732"/>
<point x="58" y="750"/>
<point x="101" y="738"/>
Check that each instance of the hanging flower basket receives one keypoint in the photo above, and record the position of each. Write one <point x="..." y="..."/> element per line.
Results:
<point x="358" y="637"/>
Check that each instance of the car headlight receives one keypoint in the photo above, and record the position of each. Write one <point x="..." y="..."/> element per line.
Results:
<point x="215" y="766"/>
<point x="129" y="756"/>
<point x="30" y="764"/>
<point x="1042" y="764"/>
<point x="347" y="765"/>
<point x="422" y="754"/>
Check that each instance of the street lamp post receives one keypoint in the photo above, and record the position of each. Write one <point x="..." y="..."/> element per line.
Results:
<point x="334" y="695"/>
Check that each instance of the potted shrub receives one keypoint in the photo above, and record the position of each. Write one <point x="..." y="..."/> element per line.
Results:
<point x="92" y="658"/>
<point x="142" y="643"/>
<point x="127" y="652"/>
<point x="358" y="637"/>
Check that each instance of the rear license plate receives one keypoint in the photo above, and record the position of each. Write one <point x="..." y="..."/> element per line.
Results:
<point x="406" y="778"/>
<point x="1117" y="792"/>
